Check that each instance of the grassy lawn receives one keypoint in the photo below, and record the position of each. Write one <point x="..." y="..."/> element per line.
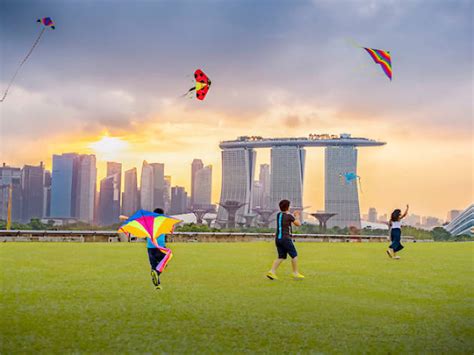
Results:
<point x="68" y="297"/>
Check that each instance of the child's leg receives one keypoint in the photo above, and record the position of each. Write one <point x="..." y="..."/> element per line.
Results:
<point x="294" y="265"/>
<point x="294" y="256"/>
<point x="281" y="250"/>
<point x="153" y="257"/>
<point x="276" y="264"/>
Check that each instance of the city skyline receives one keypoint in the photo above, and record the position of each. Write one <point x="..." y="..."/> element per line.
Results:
<point x="414" y="218"/>
<point x="125" y="107"/>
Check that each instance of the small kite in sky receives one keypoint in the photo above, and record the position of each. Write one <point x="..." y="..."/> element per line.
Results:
<point x="348" y="178"/>
<point x="202" y="85"/>
<point x="382" y="58"/>
<point x="46" y="22"/>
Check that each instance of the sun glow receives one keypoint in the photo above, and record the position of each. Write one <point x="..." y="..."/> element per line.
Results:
<point x="109" y="148"/>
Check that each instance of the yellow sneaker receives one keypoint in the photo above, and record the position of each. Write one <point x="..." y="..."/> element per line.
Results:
<point x="272" y="276"/>
<point x="298" y="276"/>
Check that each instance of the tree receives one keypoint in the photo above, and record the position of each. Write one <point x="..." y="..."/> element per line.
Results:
<point x="439" y="233"/>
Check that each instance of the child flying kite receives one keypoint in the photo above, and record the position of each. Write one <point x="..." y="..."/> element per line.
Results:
<point x="153" y="226"/>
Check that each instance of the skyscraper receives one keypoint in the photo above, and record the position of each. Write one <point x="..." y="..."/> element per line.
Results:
<point x="452" y="215"/>
<point x="203" y="187"/>
<point x="287" y="173"/>
<point x="196" y="165"/>
<point x="115" y="170"/>
<point x="257" y="195"/>
<point x="10" y="176"/>
<point x="179" y="199"/>
<point x="288" y="162"/>
<point x="130" y="193"/>
<point x="158" y="185"/>
<point x="47" y="194"/>
<point x="146" y="187"/>
<point x="32" y="192"/>
<point x="265" y="183"/>
<point x="167" y="193"/>
<point x="107" y="197"/>
<point x="372" y="215"/>
<point x="238" y="169"/>
<point x="341" y="197"/>
<point x="63" y="185"/>
<point x="86" y="188"/>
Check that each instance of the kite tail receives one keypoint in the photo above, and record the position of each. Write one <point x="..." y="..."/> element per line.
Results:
<point x="168" y="256"/>
<point x="189" y="92"/>
<point x="21" y="64"/>
<point x="360" y="186"/>
<point x="353" y="43"/>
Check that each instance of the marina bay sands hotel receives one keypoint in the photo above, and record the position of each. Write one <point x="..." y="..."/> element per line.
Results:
<point x="287" y="173"/>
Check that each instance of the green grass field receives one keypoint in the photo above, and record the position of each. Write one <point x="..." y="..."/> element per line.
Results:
<point x="67" y="297"/>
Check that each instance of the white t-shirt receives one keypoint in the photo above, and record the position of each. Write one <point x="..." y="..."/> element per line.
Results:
<point x="397" y="224"/>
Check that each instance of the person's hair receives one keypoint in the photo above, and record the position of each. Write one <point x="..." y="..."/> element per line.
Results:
<point x="395" y="217"/>
<point x="284" y="205"/>
<point x="159" y="210"/>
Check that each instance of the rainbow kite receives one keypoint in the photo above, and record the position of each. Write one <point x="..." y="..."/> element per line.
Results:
<point x="145" y="224"/>
<point x="383" y="58"/>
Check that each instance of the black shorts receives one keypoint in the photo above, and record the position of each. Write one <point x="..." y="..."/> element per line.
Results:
<point x="155" y="256"/>
<point x="285" y="247"/>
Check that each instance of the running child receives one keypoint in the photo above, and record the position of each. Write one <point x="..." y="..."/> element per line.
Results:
<point x="158" y="256"/>
<point x="283" y="241"/>
<point x="395" y="226"/>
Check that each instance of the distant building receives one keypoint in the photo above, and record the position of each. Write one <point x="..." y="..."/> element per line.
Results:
<point x="341" y="197"/>
<point x="257" y="195"/>
<point x="412" y="220"/>
<point x="63" y="185"/>
<point x="196" y="165"/>
<point x="203" y="187"/>
<point x="115" y="170"/>
<point x="86" y="188"/>
<point x="372" y="215"/>
<point x="178" y="200"/>
<point x="430" y="222"/>
<point x="383" y="218"/>
<point x="287" y="174"/>
<point x="10" y="176"/>
<point x="158" y="185"/>
<point x="463" y="223"/>
<point x="47" y="194"/>
<point x="146" y="187"/>
<point x="238" y="168"/>
<point x="130" y="200"/>
<point x="167" y="193"/>
<point x="32" y="194"/>
<point x="107" y="191"/>
<point x="264" y="179"/>
<point x="452" y="215"/>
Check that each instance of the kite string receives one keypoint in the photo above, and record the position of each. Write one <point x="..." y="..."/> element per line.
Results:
<point x="21" y="64"/>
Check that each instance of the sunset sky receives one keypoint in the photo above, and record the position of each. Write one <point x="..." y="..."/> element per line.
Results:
<point x="116" y="69"/>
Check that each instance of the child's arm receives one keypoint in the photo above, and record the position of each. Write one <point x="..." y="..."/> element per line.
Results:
<point x="297" y="221"/>
<point x="123" y="218"/>
<point x="405" y="214"/>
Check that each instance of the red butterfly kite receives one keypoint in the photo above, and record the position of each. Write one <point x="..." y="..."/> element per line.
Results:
<point x="203" y="83"/>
